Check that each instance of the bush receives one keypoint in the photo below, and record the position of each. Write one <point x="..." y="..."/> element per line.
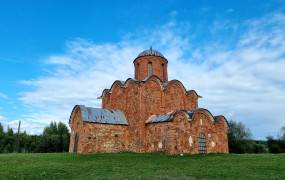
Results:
<point x="260" y="148"/>
<point x="276" y="145"/>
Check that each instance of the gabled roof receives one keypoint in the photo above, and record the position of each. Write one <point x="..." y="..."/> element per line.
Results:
<point x="100" y="115"/>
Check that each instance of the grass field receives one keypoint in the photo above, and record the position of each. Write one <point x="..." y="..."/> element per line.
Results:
<point x="141" y="166"/>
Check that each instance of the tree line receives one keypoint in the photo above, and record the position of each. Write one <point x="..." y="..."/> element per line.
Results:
<point x="240" y="141"/>
<point x="54" y="138"/>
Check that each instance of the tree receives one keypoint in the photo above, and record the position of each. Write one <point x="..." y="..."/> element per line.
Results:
<point x="238" y="131"/>
<point x="63" y="137"/>
<point x="277" y="145"/>
<point x="2" y="136"/>
<point x="1" y="129"/>
<point x="9" y="140"/>
<point x="239" y="138"/>
<point x="55" y="138"/>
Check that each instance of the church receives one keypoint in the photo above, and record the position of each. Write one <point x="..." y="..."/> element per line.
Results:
<point x="148" y="113"/>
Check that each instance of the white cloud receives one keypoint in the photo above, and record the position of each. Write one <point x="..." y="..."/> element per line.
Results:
<point x="34" y="127"/>
<point x="244" y="81"/>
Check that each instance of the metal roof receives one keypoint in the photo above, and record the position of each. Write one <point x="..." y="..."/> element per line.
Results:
<point x="165" y="117"/>
<point x="150" y="52"/>
<point x="159" y="118"/>
<point x="103" y="116"/>
<point x="169" y="116"/>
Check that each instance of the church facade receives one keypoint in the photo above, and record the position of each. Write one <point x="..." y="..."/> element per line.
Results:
<point x="148" y="113"/>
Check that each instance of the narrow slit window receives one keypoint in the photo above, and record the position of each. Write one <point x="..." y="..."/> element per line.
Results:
<point x="149" y="69"/>
<point x="162" y="69"/>
<point x="138" y="71"/>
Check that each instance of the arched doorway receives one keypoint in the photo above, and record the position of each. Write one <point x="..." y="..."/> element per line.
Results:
<point x="75" y="142"/>
<point x="202" y="147"/>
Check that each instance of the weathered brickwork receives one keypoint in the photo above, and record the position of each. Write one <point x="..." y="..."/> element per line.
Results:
<point x="181" y="134"/>
<point x="142" y="98"/>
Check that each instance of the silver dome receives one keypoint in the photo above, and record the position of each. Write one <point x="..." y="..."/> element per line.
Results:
<point x="150" y="52"/>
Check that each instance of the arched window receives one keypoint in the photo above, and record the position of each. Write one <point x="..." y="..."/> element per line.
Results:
<point x="202" y="143"/>
<point x="149" y="69"/>
<point x="162" y="71"/>
<point x="138" y="71"/>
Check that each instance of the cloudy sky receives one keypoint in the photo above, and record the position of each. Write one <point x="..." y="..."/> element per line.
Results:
<point x="54" y="55"/>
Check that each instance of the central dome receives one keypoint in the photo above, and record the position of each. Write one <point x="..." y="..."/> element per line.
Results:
<point x="150" y="52"/>
<point x="150" y="62"/>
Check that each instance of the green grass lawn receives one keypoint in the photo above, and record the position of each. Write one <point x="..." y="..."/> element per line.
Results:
<point x="141" y="166"/>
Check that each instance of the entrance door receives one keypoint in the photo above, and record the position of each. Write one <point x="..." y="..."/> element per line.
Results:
<point x="75" y="142"/>
<point x="202" y="143"/>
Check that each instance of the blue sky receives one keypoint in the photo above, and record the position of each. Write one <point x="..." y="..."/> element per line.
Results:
<point x="55" y="54"/>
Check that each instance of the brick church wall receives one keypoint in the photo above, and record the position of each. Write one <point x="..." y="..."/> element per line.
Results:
<point x="94" y="137"/>
<point x="141" y="98"/>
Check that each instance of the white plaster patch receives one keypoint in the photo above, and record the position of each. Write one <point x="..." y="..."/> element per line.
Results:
<point x="160" y="145"/>
<point x="209" y="135"/>
<point x="190" y="141"/>
<point x="213" y="144"/>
